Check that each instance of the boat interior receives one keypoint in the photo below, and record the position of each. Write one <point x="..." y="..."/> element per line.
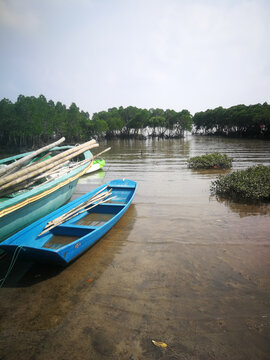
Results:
<point x="86" y="222"/>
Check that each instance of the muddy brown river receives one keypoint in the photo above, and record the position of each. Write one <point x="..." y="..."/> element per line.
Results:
<point x="181" y="267"/>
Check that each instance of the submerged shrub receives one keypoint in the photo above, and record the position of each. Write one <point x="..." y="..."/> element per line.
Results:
<point x="250" y="184"/>
<point x="210" y="161"/>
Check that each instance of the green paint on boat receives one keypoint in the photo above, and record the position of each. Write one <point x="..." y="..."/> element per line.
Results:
<point x="97" y="165"/>
<point x="25" y="215"/>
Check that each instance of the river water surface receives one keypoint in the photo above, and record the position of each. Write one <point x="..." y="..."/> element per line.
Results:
<point x="180" y="267"/>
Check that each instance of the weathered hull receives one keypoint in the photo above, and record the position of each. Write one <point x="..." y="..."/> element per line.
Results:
<point x="22" y="210"/>
<point x="18" y="219"/>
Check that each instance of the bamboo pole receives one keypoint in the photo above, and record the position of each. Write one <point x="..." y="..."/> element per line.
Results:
<point x="56" y="171"/>
<point x="44" y="193"/>
<point x="22" y="186"/>
<point x="29" y="182"/>
<point x="102" y="152"/>
<point x="71" y="166"/>
<point x="66" y="153"/>
<point x="34" y="166"/>
<point x="78" y="207"/>
<point x="41" y="159"/>
<point x="75" y="214"/>
<point x="77" y="211"/>
<point x="39" y="171"/>
<point x="98" y="198"/>
<point x="26" y="158"/>
<point x="39" y="168"/>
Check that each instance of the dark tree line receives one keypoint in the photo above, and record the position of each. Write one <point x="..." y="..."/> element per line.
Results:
<point x="32" y="121"/>
<point x="136" y="122"/>
<point x="238" y="121"/>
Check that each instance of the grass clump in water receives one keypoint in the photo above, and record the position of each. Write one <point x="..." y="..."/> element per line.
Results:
<point x="210" y="161"/>
<point x="250" y="184"/>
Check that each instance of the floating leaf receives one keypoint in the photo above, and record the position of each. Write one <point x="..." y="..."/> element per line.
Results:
<point x="160" y="344"/>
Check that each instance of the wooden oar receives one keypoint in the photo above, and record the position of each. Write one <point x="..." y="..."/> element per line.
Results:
<point x="27" y="158"/>
<point x="75" y="213"/>
<point x="94" y="201"/>
<point x="78" y="207"/>
<point x="81" y="206"/>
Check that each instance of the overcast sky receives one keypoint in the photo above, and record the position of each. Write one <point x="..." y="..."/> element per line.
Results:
<point x="170" y="54"/>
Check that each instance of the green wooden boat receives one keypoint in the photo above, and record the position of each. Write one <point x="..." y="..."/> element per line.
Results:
<point x="97" y="165"/>
<point x="21" y="208"/>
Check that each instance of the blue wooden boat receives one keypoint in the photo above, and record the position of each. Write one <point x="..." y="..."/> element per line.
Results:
<point x="66" y="233"/>
<point x="21" y="209"/>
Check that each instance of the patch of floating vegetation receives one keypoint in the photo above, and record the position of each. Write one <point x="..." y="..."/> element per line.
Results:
<point x="210" y="161"/>
<point x="250" y="184"/>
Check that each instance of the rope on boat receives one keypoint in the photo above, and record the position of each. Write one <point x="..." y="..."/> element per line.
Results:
<point x="12" y="263"/>
<point x="103" y="181"/>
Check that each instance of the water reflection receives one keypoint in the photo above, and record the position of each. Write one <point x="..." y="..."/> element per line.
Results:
<point x="63" y="288"/>
<point x="100" y="174"/>
<point x="245" y="209"/>
<point x="245" y="152"/>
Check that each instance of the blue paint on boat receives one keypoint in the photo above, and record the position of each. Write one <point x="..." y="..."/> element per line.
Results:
<point x="67" y="241"/>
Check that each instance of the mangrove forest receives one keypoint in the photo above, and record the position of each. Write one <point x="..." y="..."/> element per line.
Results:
<point x="32" y="121"/>
<point x="236" y="121"/>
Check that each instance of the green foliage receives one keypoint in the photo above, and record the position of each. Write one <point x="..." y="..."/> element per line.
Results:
<point x="210" y="161"/>
<point x="237" y="121"/>
<point x="250" y="184"/>
<point x="31" y="121"/>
